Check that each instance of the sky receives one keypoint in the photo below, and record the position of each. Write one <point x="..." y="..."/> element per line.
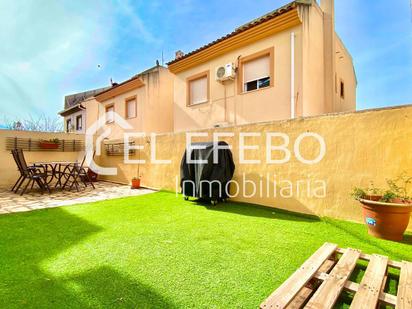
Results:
<point x="49" y="49"/>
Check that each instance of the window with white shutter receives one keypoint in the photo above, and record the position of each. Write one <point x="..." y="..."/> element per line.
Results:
<point x="131" y="108"/>
<point x="110" y="114"/>
<point x="256" y="71"/>
<point x="198" y="89"/>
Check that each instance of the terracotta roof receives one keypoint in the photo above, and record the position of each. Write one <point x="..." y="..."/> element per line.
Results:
<point x="251" y="24"/>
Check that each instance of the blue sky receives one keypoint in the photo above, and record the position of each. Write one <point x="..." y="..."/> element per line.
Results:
<point x="52" y="48"/>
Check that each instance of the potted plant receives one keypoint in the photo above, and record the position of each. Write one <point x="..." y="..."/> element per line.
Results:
<point x="49" y="144"/>
<point x="386" y="212"/>
<point x="135" y="182"/>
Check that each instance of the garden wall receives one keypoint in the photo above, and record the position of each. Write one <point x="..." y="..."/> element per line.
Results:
<point x="8" y="168"/>
<point x="360" y="147"/>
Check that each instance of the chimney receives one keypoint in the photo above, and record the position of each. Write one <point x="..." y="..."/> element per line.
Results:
<point x="328" y="8"/>
<point x="179" y="54"/>
<point x="112" y="83"/>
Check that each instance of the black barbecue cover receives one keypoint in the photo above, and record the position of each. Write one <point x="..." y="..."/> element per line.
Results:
<point x="207" y="180"/>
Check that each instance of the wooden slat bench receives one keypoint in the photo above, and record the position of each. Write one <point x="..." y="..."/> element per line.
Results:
<point x="320" y="280"/>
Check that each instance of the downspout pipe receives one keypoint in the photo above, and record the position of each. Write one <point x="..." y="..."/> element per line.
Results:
<point x="292" y="76"/>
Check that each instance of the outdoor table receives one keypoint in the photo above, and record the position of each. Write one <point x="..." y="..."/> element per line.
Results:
<point x="56" y="170"/>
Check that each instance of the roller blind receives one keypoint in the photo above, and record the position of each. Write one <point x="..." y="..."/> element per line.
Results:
<point x="256" y="69"/>
<point x="198" y="90"/>
<point x="109" y="114"/>
<point x="131" y="108"/>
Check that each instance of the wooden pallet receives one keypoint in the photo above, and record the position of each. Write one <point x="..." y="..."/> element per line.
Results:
<point x="320" y="280"/>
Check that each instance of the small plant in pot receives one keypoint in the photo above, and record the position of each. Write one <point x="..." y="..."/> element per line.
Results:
<point x="386" y="211"/>
<point x="49" y="144"/>
<point x="135" y="182"/>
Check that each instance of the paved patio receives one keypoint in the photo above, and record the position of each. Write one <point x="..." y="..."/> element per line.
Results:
<point x="11" y="202"/>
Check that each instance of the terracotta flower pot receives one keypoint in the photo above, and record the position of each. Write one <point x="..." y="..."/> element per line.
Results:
<point x="48" y="145"/>
<point x="386" y="220"/>
<point x="136" y="183"/>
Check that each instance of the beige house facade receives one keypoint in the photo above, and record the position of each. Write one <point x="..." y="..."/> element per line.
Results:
<point x="288" y="63"/>
<point x="144" y="101"/>
<point x="74" y="113"/>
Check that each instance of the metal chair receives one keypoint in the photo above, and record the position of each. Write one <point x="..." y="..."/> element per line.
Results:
<point x="32" y="173"/>
<point x="78" y="173"/>
<point x="20" y="180"/>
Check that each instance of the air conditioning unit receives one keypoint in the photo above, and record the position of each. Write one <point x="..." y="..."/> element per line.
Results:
<point x="226" y="72"/>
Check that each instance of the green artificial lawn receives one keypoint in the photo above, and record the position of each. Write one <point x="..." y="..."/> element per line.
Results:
<point x="160" y="251"/>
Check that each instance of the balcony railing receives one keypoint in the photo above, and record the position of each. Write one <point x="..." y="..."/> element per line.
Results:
<point x="32" y="144"/>
<point x="117" y="149"/>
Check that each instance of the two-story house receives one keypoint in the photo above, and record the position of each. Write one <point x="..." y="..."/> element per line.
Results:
<point x="74" y="113"/>
<point x="145" y="101"/>
<point x="288" y="63"/>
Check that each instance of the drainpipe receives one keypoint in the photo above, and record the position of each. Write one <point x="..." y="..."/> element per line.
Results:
<point x="292" y="75"/>
<point x="225" y="103"/>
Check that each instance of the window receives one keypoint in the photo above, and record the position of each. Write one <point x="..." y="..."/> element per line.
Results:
<point x="256" y="74"/>
<point x="198" y="89"/>
<point x="342" y="89"/>
<point x="109" y="113"/>
<point x="69" y="125"/>
<point x="131" y="111"/>
<point x="79" y="123"/>
<point x="256" y="71"/>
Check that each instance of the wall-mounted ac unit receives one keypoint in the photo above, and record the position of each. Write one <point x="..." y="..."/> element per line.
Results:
<point x="226" y="72"/>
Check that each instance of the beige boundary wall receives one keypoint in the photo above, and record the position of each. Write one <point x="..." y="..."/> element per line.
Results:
<point x="8" y="168"/>
<point x="360" y="146"/>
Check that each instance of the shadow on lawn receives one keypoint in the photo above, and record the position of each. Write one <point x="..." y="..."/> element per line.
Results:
<point x="252" y="210"/>
<point x="28" y="240"/>
<point x="364" y="237"/>
<point x="107" y="288"/>
<point x="407" y="239"/>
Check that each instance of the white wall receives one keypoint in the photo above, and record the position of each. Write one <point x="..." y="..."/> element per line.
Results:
<point x="73" y="119"/>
